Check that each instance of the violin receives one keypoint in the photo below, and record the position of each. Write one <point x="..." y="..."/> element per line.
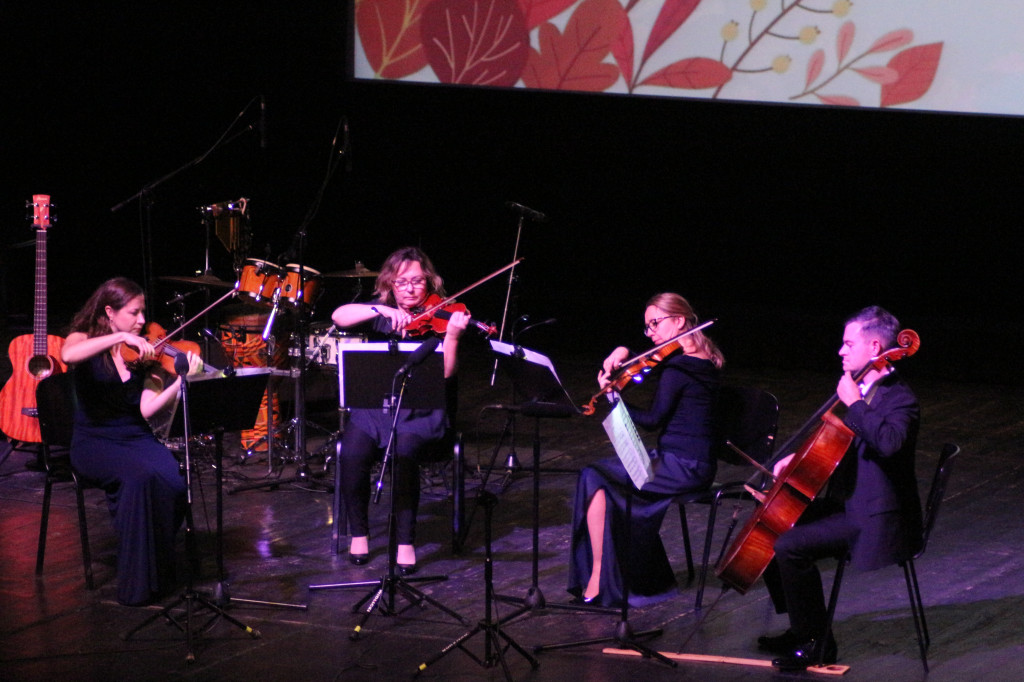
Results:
<point x="635" y="368"/>
<point x="166" y="350"/>
<point x="803" y="478"/>
<point x="433" y="316"/>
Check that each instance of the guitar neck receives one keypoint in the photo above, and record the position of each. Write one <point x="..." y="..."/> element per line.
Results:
<point x="39" y="309"/>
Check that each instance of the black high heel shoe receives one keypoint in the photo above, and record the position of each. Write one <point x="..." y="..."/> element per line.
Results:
<point x="358" y="559"/>
<point x="407" y="569"/>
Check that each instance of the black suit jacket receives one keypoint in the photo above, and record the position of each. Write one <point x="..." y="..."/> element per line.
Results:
<point x="878" y="471"/>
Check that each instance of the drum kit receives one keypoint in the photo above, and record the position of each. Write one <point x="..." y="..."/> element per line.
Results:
<point x="245" y="333"/>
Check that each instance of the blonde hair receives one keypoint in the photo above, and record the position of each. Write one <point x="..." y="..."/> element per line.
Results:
<point x="392" y="265"/>
<point x="676" y="305"/>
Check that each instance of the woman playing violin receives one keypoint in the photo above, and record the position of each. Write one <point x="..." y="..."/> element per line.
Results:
<point x="681" y="412"/>
<point x="112" y="443"/>
<point x="406" y="280"/>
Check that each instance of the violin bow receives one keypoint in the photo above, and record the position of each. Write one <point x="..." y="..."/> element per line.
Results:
<point x="433" y="309"/>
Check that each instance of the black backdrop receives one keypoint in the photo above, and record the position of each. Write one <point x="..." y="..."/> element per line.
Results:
<point x="777" y="220"/>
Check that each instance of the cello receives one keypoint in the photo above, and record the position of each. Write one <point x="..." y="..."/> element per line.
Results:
<point x="800" y="481"/>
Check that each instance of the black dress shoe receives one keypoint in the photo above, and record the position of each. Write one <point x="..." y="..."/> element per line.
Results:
<point x="806" y="655"/>
<point x="779" y="644"/>
<point x="408" y="569"/>
<point x="358" y="559"/>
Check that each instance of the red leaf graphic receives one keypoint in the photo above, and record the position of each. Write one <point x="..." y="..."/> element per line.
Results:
<point x="672" y="15"/>
<point x="916" y="67"/>
<point x="389" y="33"/>
<point x="622" y="49"/>
<point x="475" y="42"/>
<point x="882" y="75"/>
<point x="838" y="100"/>
<point x="814" y="66"/>
<point x="574" y="60"/>
<point x="539" y="11"/>
<point x="696" y="73"/>
<point x="844" y="40"/>
<point x="892" y="41"/>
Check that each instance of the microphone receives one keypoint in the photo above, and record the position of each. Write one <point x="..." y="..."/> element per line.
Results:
<point x="418" y="355"/>
<point x="180" y="298"/>
<point x="263" y="122"/>
<point x="525" y="211"/>
<point x="273" y="314"/>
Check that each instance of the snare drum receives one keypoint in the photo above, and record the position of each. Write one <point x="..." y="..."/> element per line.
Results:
<point x="259" y="279"/>
<point x="290" y="285"/>
<point x="322" y="349"/>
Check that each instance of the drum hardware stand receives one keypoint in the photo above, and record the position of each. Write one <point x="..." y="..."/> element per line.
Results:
<point x="494" y="647"/>
<point x="190" y="597"/>
<point x="382" y="595"/>
<point x="145" y="196"/>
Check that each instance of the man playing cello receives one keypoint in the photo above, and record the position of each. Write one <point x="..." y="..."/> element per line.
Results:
<point x="871" y="511"/>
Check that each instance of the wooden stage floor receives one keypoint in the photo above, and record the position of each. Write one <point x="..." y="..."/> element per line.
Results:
<point x="278" y="542"/>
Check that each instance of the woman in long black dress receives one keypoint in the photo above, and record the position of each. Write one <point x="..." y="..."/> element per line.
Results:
<point x="406" y="279"/>
<point x="113" y="445"/>
<point x="683" y="461"/>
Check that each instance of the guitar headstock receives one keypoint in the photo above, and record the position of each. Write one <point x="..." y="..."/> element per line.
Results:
<point x="40" y="206"/>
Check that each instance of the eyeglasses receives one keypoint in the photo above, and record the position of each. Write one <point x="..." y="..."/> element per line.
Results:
<point x="415" y="283"/>
<point x="651" y="326"/>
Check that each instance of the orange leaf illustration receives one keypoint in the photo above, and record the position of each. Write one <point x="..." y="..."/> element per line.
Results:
<point x="475" y="42"/>
<point x="838" y="100"/>
<point x="882" y="75"/>
<point x="814" y="66"/>
<point x="672" y="15"/>
<point x="695" y="73"/>
<point x="389" y="33"/>
<point x="844" y="40"/>
<point x="539" y="11"/>
<point x="892" y="41"/>
<point x="916" y="67"/>
<point x="574" y="60"/>
<point x="622" y="49"/>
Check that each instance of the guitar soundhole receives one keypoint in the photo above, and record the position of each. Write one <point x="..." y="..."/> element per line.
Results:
<point x="40" y="367"/>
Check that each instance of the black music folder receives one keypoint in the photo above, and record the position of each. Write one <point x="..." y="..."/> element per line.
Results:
<point x="231" y="402"/>
<point x="368" y="376"/>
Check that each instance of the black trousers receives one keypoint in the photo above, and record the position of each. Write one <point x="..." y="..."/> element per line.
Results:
<point x="793" y="578"/>
<point x="358" y="452"/>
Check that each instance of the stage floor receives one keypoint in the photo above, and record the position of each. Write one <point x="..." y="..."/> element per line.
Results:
<point x="278" y="541"/>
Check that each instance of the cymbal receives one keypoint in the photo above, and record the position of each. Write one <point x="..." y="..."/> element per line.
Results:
<point x="354" y="272"/>
<point x="201" y="280"/>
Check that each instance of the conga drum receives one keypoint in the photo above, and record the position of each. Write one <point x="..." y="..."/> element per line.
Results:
<point x="241" y="334"/>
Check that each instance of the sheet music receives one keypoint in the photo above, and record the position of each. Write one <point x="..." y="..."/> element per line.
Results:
<point x="528" y="355"/>
<point x="622" y="432"/>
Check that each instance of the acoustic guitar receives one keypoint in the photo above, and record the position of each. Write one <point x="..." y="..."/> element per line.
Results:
<point x="34" y="356"/>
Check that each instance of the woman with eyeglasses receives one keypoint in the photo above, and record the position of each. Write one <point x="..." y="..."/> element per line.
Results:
<point x="683" y="461"/>
<point x="406" y="279"/>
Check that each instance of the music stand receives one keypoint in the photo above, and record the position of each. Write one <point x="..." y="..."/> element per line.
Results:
<point x="370" y="380"/>
<point x="533" y="375"/>
<point x="210" y="404"/>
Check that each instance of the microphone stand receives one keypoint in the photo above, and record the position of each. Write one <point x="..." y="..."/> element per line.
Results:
<point x="145" y="195"/>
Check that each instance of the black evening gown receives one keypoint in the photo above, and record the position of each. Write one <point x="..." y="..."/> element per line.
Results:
<point x="683" y="461"/>
<point x="114" y="447"/>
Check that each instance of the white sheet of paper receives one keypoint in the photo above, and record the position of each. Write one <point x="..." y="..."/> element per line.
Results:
<point x="622" y="433"/>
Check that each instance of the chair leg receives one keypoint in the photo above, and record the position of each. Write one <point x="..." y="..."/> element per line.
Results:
<point x="917" y="609"/>
<point x="706" y="559"/>
<point x="831" y="613"/>
<point x="685" y="527"/>
<point x="83" y="531"/>
<point x="44" y="522"/>
<point x="458" y="496"/>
